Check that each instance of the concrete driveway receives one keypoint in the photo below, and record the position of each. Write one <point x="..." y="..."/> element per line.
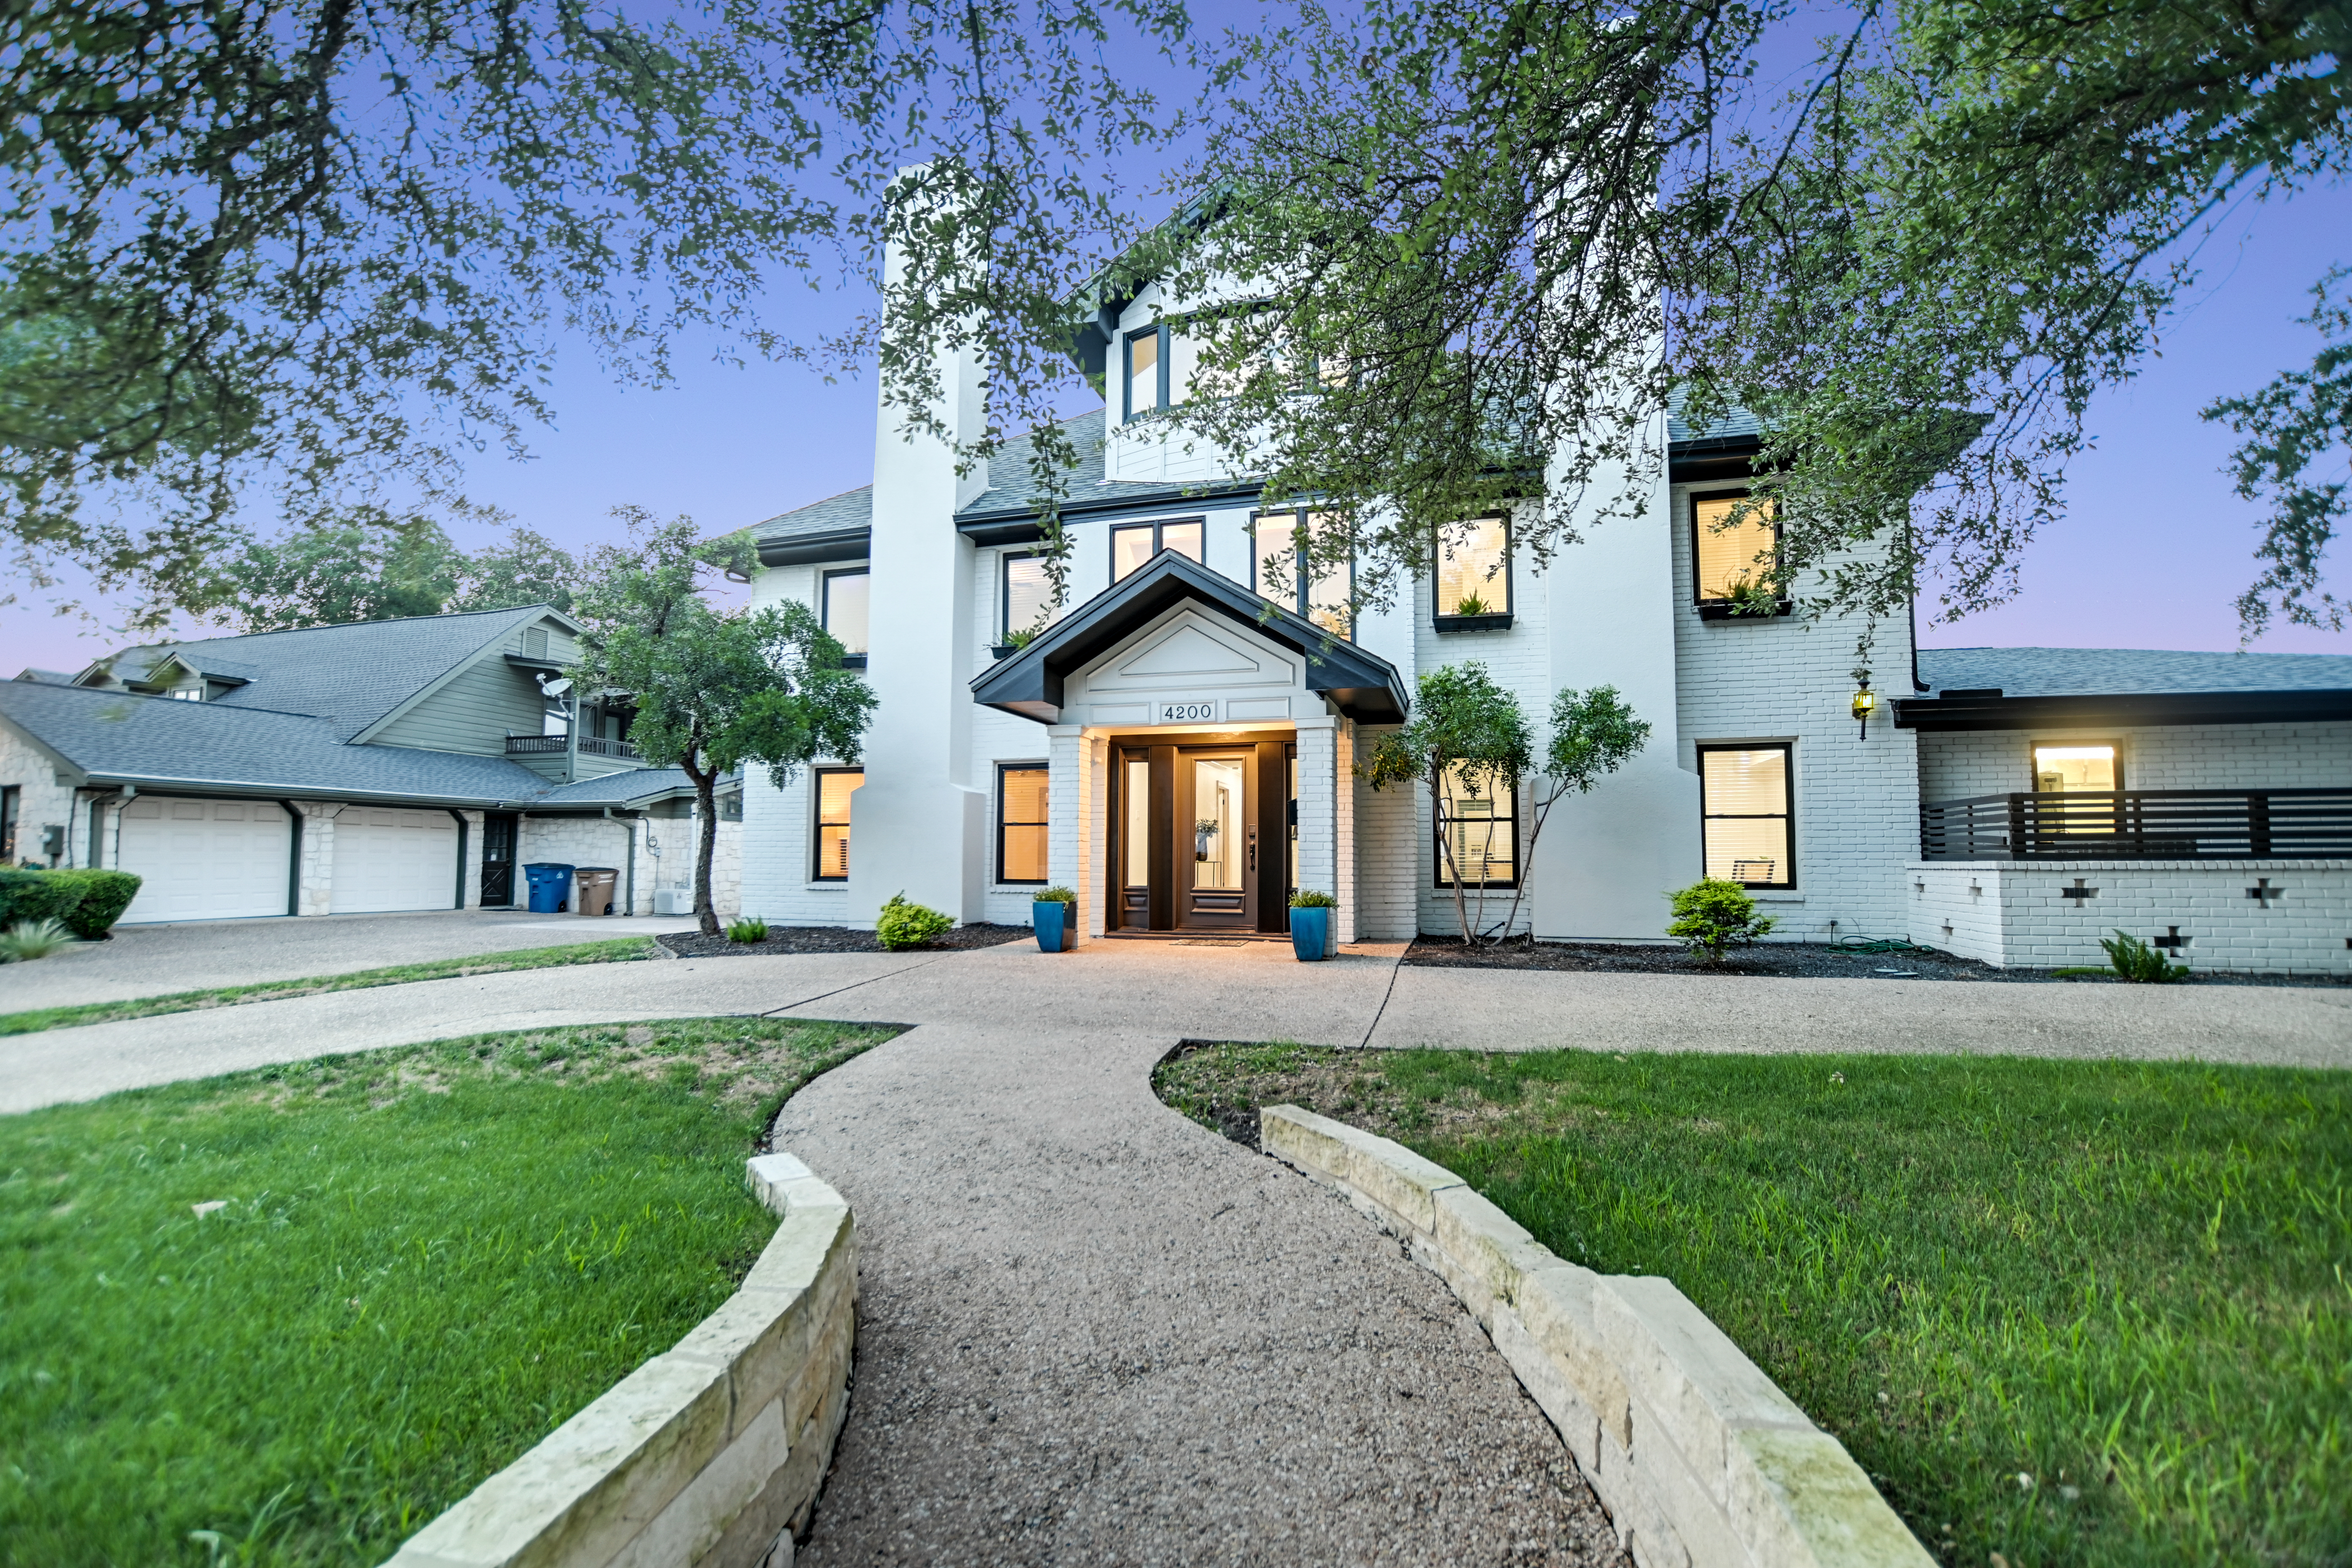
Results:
<point x="193" y="955"/>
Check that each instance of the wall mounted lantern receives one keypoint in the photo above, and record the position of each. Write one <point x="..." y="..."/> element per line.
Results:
<point x="1865" y="703"/>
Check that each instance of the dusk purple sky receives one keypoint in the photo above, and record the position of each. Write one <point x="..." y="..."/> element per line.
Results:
<point x="2153" y="551"/>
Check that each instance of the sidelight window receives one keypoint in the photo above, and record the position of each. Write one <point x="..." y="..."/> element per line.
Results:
<point x="1745" y="817"/>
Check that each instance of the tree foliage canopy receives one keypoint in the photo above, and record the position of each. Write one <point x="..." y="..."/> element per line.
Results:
<point x="372" y="570"/>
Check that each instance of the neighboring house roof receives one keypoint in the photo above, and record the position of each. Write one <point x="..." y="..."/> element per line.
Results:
<point x="2017" y="687"/>
<point x="2110" y="671"/>
<point x="46" y="677"/>
<point x="121" y="737"/>
<point x="352" y="676"/>
<point x="640" y="786"/>
<point x="845" y="520"/>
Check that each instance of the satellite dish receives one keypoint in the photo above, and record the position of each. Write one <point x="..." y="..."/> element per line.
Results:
<point x="555" y="687"/>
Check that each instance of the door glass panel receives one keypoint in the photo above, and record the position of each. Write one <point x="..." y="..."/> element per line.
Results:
<point x="1217" y="822"/>
<point x="1184" y="539"/>
<point x="1138" y="833"/>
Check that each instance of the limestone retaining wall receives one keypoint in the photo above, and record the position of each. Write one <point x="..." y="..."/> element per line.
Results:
<point x="709" y="1455"/>
<point x="1700" y="1459"/>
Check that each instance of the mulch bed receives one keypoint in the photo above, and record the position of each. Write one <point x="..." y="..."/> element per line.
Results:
<point x="832" y="939"/>
<point x="1779" y="960"/>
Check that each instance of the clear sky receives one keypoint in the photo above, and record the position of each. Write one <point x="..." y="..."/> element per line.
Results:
<point x="2151" y="554"/>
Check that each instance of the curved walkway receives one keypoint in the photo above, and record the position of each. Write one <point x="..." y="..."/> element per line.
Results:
<point x="1094" y="1333"/>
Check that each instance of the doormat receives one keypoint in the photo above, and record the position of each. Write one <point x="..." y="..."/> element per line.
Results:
<point x="1206" y="941"/>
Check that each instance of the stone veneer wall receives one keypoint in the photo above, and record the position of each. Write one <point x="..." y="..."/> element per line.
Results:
<point x="2006" y="913"/>
<point x="1698" y="1456"/>
<point x="709" y="1454"/>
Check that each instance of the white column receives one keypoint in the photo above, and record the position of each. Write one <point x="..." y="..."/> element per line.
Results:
<point x="1319" y="818"/>
<point x="920" y="822"/>
<point x="1094" y="837"/>
<point x="1343" y="837"/>
<point x="317" y="881"/>
<point x="1606" y="856"/>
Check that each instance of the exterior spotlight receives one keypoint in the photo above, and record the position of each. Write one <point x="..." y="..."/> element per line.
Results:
<point x="1865" y="703"/>
<point x="735" y="576"/>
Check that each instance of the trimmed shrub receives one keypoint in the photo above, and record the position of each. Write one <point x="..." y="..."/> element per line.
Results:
<point x="1710" y="916"/>
<point x="104" y="896"/>
<point x="903" y="925"/>
<point x="37" y="896"/>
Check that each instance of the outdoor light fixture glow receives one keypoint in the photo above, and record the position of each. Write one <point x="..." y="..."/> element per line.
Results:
<point x="1866" y="702"/>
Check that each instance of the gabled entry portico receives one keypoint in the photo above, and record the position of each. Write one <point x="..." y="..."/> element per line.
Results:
<point x="1201" y="741"/>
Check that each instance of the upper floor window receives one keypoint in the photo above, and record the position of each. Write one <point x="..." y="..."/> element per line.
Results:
<point x="1133" y="543"/>
<point x="1474" y="570"/>
<point x="1160" y="364"/>
<point x="1027" y="602"/>
<point x="1286" y="572"/>
<point x="1735" y="549"/>
<point x="845" y="608"/>
<point x="1744" y="815"/>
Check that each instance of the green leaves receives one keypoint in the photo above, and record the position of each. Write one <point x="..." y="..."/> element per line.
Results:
<point x="1592" y="733"/>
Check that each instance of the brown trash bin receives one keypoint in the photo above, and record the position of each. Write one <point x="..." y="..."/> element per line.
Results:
<point x="592" y="889"/>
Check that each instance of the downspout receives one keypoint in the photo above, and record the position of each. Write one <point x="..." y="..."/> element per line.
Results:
<point x="462" y="825"/>
<point x="293" y="861"/>
<point x="97" y="834"/>
<point x="629" y="863"/>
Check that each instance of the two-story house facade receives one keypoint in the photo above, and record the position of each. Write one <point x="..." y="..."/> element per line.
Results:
<point x="380" y="766"/>
<point x="1179" y="741"/>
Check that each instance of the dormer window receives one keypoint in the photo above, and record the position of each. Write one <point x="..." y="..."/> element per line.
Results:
<point x="1161" y="363"/>
<point x="186" y="694"/>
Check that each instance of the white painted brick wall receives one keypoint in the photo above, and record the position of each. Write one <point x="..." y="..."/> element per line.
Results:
<point x="1855" y="801"/>
<point x="2197" y="756"/>
<point x="2013" y="915"/>
<point x="1317" y="805"/>
<point x="1387" y="867"/>
<point x="620" y="844"/>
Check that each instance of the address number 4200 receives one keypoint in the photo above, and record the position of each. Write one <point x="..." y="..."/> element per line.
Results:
<point x="1188" y="712"/>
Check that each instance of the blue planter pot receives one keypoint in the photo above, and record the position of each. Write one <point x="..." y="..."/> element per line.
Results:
<point x="1310" y="934"/>
<point x="1056" y="926"/>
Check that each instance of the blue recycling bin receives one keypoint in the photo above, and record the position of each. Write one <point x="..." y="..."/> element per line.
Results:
<point x="550" y="886"/>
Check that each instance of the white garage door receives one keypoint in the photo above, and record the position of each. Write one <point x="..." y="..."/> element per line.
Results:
<point x="388" y="859"/>
<point x="204" y="859"/>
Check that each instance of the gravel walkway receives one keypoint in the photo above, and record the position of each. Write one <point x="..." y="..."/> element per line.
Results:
<point x="1091" y="1332"/>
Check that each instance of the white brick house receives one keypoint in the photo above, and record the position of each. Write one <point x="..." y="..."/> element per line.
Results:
<point x="1180" y="750"/>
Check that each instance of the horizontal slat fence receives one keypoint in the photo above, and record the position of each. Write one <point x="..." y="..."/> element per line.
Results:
<point x="2141" y="823"/>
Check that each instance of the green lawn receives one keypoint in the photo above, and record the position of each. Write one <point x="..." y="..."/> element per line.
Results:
<point x="618" y="949"/>
<point x="2070" y="1312"/>
<point x="425" y="1260"/>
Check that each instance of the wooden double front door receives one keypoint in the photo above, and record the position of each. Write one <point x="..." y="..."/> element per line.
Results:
<point x="1201" y="834"/>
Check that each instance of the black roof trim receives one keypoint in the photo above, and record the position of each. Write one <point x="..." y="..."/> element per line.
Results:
<point x="986" y="526"/>
<point x="807" y="549"/>
<point x="2126" y="711"/>
<point x="1365" y="687"/>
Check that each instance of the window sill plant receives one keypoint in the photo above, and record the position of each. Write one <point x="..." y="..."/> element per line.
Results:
<point x="1314" y="931"/>
<point x="1054" y="916"/>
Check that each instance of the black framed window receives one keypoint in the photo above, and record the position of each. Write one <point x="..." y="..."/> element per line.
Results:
<point x="1026" y="597"/>
<point x="10" y="795"/>
<point x="1477" y="826"/>
<point x="1021" y="795"/>
<point x="1474" y="575"/>
<point x="1133" y="543"/>
<point x="845" y="608"/>
<point x="1734" y="549"/>
<point x="1285" y="571"/>
<point x="833" y="787"/>
<point x="1747" y="820"/>
<point x="1158" y="367"/>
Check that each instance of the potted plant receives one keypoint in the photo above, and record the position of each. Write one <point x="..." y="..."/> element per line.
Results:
<point x="1312" y="935"/>
<point x="1055" y="918"/>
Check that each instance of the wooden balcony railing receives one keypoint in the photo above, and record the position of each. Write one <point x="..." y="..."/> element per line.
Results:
<point x="590" y="745"/>
<point x="2141" y="823"/>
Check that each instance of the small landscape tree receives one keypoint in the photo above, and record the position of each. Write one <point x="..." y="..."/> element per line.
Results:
<point x="714" y="690"/>
<point x="1466" y="739"/>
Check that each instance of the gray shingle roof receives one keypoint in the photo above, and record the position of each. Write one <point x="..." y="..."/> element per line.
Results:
<point x="1737" y="423"/>
<point x="1013" y="486"/>
<point x="47" y="677"/>
<point x="156" y="742"/>
<point x="349" y="675"/>
<point x="834" y="515"/>
<point x="2121" y="671"/>
<point x="626" y="788"/>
